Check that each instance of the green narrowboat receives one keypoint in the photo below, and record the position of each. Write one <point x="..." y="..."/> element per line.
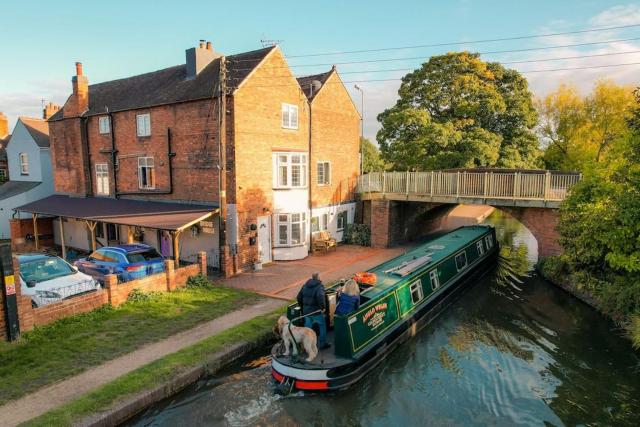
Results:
<point x="410" y="291"/>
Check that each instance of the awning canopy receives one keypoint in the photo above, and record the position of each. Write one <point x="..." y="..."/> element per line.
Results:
<point x="136" y="213"/>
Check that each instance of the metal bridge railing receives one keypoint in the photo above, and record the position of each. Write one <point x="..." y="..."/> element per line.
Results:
<point x="488" y="185"/>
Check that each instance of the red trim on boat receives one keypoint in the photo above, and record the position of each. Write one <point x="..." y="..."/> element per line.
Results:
<point x="312" y="385"/>
<point x="277" y="375"/>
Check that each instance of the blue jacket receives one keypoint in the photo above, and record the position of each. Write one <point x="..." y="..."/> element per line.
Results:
<point x="347" y="304"/>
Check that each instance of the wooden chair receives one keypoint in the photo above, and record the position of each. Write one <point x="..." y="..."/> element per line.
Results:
<point x="324" y="242"/>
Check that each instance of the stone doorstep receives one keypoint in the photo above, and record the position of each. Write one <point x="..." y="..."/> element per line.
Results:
<point x="137" y="403"/>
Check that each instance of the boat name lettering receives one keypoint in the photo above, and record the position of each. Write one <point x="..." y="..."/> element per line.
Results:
<point x="375" y="316"/>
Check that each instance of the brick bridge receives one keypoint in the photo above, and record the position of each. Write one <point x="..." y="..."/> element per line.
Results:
<point x="396" y="203"/>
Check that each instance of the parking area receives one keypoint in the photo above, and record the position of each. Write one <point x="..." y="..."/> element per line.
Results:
<point x="283" y="279"/>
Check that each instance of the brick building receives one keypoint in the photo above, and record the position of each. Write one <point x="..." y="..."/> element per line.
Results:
<point x="288" y="147"/>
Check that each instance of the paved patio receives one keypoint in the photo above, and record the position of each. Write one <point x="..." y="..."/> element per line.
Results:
<point x="283" y="279"/>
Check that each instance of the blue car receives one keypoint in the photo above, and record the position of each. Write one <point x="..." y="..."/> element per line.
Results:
<point x="128" y="262"/>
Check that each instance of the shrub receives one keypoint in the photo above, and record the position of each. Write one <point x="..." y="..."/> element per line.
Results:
<point x="358" y="234"/>
<point x="137" y="296"/>
<point x="198" y="281"/>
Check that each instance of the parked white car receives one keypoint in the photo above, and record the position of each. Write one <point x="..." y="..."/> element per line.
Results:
<point x="48" y="279"/>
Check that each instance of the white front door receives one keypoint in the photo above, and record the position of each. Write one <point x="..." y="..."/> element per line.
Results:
<point x="264" y="238"/>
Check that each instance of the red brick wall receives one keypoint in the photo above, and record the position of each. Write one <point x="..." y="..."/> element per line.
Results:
<point x="194" y="140"/>
<point x="82" y="304"/>
<point x="19" y="228"/>
<point x="542" y="224"/>
<point x="335" y="138"/>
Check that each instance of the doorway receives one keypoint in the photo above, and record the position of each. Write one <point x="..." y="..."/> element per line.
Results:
<point x="264" y="239"/>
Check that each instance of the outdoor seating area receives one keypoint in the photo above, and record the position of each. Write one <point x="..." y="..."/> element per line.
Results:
<point x="323" y="242"/>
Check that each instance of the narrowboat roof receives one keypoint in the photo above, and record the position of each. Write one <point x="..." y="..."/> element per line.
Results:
<point x="402" y="267"/>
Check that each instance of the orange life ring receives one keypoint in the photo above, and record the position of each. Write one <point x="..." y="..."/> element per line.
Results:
<point x="365" y="278"/>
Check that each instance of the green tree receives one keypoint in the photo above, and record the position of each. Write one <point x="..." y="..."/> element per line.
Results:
<point x="371" y="160"/>
<point x="458" y="111"/>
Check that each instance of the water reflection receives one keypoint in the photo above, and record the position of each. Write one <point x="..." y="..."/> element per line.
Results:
<point x="513" y="350"/>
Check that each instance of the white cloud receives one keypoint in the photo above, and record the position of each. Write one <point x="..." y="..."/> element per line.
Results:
<point x="617" y="15"/>
<point x="28" y="101"/>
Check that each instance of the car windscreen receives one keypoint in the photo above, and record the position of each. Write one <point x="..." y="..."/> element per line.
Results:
<point x="148" y="255"/>
<point x="45" y="269"/>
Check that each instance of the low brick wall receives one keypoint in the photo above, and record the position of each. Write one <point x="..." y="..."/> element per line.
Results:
<point x="82" y="304"/>
<point x="114" y="293"/>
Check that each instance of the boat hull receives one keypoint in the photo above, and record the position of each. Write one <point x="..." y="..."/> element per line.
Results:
<point x="341" y="377"/>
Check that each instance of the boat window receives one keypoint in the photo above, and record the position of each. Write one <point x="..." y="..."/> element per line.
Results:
<point x="434" y="279"/>
<point x="489" y="241"/>
<point x="416" y="291"/>
<point x="480" y="247"/>
<point x="461" y="260"/>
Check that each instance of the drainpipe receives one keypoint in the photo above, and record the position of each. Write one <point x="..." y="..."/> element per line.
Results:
<point x="84" y="135"/>
<point x="309" y="175"/>
<point x="170" y="155"/>
<point x="114" y="154"/>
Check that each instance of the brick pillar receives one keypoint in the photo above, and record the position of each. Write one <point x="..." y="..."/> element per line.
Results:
<point x="170" y="272"/>
<point x="202" y="261"/>
<point x="25" y="311"/>
<point x="380" y="218"/>
<point x="227" y="264"/>
<point x="111" y="285"/>
<point x="542" y="223"/>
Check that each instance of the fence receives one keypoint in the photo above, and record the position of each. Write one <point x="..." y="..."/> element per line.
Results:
<point x="113" y="293"/>
<point x="489" y="185"/>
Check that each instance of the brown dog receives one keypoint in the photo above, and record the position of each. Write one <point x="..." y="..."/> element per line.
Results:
<point x="304" y="336"/>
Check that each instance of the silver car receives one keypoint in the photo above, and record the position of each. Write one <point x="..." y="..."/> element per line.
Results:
<point x="48" y="279"/>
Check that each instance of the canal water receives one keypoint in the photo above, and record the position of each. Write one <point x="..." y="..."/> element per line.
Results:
<point x="512" y="350"/>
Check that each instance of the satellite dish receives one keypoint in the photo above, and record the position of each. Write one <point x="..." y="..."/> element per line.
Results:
<point x="317" y="84"/>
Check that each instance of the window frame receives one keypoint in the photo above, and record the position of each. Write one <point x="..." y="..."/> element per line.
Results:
<point x="23" y="159"/>
<point x="146" y="117"/>
<point x="151" y="175"/>
<point x="287" y="111"/>
<point x="287" y="222"/>
<point x="3" y="173"/>
<point x="102" y="175"/>
<point x="285" y="161"/>
<point x="480" y="247"/>
<point x="344" y="216"/>
<point x="434" y="278"/>
<point x="466" y="262"/>
<point x="489" y="241"/>
<point x="416" y="285"/>
<point x="326" y="173"/>
<point x="104" y="125"/>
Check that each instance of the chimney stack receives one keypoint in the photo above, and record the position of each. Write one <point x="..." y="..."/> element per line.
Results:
<point x="199" y="57"/>
<point x="50" y="109"/>
<point x="4" y="126"/>
<point x="78" y="102"/>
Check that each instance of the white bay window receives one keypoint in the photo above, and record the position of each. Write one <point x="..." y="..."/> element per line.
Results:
<point x="290" y="170"/>
<point x="291" y="229"/>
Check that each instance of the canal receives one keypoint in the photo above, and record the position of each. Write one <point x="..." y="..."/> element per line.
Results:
<point x="512" y="350"/>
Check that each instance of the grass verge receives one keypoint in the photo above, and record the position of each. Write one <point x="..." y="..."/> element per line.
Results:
<point x="153" y="375"/>
<point x="74" y="344"/>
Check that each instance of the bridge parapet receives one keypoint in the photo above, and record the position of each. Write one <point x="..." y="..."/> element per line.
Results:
<point x="523" y="188"/>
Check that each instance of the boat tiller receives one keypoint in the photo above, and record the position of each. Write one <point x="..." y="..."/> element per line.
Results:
<point x="285" y="387"/>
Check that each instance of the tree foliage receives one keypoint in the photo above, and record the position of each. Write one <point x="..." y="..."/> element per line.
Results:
<point x="579" y="130"/>
<point x="371" y="160"/>
<point x="459" y="111"/>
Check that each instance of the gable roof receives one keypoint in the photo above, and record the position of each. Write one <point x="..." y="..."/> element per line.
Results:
<point x="38" y="129"/>
<point x="305" y="83"/>
<point x="168" y="86"/>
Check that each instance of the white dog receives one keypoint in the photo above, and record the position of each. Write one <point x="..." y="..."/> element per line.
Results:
<point x="304" y="336"/>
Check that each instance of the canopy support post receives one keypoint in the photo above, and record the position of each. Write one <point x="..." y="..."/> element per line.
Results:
<point x="176" y="247"/>
<point x="92" y="228"/>
<point x="63" y="247"/>
<point x="34" y="217"/>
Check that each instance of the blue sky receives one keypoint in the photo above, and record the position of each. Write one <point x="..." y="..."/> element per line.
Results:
<point x="42" y="40"/>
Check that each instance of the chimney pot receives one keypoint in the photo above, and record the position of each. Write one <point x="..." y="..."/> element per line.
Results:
<point x="201" y="44"/>
<point x="78" y="68"/>
<point x="209" y="46"/>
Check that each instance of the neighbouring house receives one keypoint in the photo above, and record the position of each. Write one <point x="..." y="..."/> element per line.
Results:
<point x="29" y="167"/>
<point x="232" y="155"/>
<point x="4" y="139"/>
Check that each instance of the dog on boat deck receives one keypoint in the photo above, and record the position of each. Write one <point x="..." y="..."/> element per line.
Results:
<point x="291" y="334"/>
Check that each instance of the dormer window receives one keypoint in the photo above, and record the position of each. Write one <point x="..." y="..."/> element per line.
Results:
<point x="289" y="116"/>
<point x="24" y="163"/>
<point x="143" y="124"/>
<point x="104" y="126"/>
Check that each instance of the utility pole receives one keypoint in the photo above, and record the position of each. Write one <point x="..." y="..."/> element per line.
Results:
<point x="359" y="89"/>
<point x="222" y="153"/>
